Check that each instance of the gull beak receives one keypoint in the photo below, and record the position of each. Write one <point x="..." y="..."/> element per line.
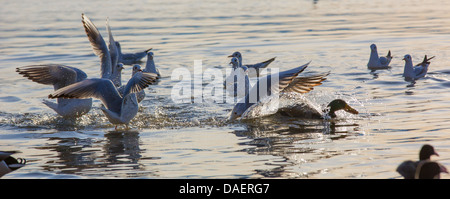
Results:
<point x="350" y="110"/>
<point x="140" y="70"/>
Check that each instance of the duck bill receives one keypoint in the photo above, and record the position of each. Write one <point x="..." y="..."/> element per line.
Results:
<point x="443" y="169"/>
<point x="350" y="110"/>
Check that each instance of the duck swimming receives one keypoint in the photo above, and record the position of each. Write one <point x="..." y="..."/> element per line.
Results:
<point x="305" y="110"/>
<point x="288" y="82"/>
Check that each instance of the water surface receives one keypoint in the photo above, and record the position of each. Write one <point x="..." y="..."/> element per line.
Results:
<point x="194" y="140"/>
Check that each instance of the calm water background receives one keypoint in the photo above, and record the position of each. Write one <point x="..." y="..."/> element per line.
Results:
<point x="169" y="140"/>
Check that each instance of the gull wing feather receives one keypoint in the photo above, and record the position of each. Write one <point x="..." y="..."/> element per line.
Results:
<point x="138" y="82"/>
<point x="52" y="74"/>
<point x="102" y="89"/>
<point x="99" y="46"/>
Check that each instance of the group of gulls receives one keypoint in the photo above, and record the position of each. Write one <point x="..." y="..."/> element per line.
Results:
<point x="120" y="103"/>
<point x="74" y="91"/>
<point x="410" y="73"/>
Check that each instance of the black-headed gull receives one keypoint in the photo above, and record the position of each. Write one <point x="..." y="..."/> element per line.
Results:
<point x="59" y="76"/>
<point x="376" y="62"/>
<point x="118" y="109"/>
<point x="150" y="66"/>
<point x="139" y="95"/>
<point x="238" y="77"/>
<point x="131" y="58"/>
<point x="110" y="67"/>
<point x="252" y="73"/>
<point x="412" y="73"/>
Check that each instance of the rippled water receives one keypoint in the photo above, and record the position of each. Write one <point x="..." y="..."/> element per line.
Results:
<point x="194" y="140"/>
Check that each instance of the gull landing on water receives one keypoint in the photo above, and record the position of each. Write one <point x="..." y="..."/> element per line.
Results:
<point x="376" y="62"/>
<point x="420" y="70"/>
<point x="59" y="76"/>
<point x="118" y="109"/>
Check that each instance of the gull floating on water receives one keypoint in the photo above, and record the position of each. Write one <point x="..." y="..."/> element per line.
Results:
<point x="376" y="62"/>
<point x="420" y="70"/>
<point x="59" y="76"/>
<point x="150" y="66"/>
<point x="118" y="109"/>
<point x="254" y="66"/>
<point x="409" y="169"/>
<point x="9" y="163"/>
<point x="288" y="82"/>
<point x="130" y="58"/>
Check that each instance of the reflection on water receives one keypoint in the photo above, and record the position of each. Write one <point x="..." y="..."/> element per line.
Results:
<point x="195" y="140"/>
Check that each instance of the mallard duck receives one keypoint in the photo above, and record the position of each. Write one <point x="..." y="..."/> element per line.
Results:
<point x="9" y="163"/>
<point x="376" y="62"/>
<point x="305" y="110"/>
<point x="408" y="168"/>
<point x="429" y="170"/>
<point x="288" y="82"/>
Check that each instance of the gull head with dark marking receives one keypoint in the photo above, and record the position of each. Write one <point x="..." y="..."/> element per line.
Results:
<point x="150" y="55"/>
<point x="234" y="62"/>
<point x="373" y="47"/>
<point x="407" y="57"/>
<point x="236" y="54"/>
<point x="136" y="68"/>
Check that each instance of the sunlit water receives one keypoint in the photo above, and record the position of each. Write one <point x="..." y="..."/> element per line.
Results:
<point x="194" y="140"/>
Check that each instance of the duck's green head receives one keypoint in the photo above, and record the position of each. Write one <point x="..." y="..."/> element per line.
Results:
<point x="339" y="104"/>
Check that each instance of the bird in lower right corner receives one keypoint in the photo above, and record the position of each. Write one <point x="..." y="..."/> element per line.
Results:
<point x="409" y="168"/>
<point x="429" y="170"/>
